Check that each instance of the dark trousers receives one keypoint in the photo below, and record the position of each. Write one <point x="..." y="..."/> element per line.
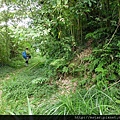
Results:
<point x="27" y="59"/>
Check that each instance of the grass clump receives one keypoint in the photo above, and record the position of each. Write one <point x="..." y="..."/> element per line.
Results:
<point x="83" y="102"/>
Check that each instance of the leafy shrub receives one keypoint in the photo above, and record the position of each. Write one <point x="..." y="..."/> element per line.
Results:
<point x="57" y="49"/>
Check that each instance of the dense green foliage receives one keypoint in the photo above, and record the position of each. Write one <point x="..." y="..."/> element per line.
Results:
<point x="61" y="30"/>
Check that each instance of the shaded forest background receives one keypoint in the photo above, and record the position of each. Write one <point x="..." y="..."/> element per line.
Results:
<point x="62" y="30"/>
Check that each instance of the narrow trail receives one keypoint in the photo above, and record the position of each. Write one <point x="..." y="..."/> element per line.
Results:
<point x="13" y="73"/>
<point x="8" y="77"/>
<point x="65" y="84"/>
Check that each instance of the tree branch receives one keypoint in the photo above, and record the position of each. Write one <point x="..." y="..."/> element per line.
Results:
<point x="112" y="85"/>
<point x="112" y="35"/>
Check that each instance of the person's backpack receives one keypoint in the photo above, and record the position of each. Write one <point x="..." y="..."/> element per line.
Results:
<point x="24" y="54"/>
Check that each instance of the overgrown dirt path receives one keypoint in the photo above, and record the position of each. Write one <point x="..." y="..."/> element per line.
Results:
<point x="12" y="72"/>
<point x="7" y="76"/>
<point x="65" y="84"/>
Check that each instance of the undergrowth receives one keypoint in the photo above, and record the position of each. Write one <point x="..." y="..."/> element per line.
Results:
<point x="97" y="91"/>
<point x="34" y="83"/>
<point x="85" y="102"/>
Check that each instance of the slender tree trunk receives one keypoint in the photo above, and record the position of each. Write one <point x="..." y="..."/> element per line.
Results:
<point x="78" y="30"/>
<point x="7" y="36"/>
<point x="108" y="6"/>
<point x="118" y="11"/>
<point x="81" y="31"/>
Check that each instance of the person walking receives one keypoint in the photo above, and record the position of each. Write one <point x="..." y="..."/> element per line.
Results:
<point x="26" y="55"/>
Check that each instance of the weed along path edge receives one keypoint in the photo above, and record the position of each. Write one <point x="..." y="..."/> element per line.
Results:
<point x="8" y="75"/>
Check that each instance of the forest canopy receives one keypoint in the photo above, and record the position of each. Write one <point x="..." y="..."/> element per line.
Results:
<point x="61" y="23"/>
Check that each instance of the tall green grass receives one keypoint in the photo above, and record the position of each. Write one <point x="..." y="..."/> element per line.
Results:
<point x="83" y="102"/>
<point x="29" y="82"/>
<point x="37" y="83"/>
